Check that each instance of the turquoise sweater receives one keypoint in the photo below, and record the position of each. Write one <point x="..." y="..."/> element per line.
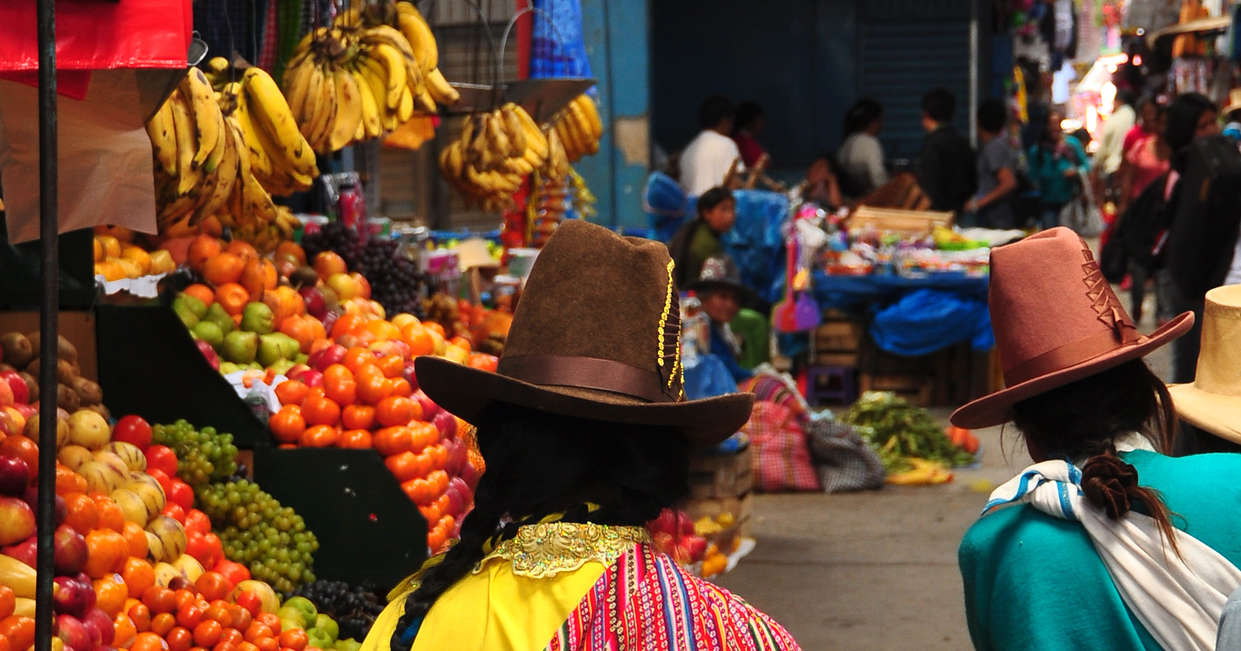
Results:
<point x="1035" y="582"/>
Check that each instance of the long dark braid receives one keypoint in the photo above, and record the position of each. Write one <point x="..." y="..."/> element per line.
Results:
<point x="539" y="465"/>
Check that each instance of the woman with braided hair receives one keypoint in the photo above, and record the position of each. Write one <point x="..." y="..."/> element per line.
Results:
<point x="1107" y="542"/>
<point x="586" y="435"/>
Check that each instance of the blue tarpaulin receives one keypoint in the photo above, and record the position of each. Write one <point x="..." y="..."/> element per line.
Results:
<point x="926" y="320"/>
<point x="756" y="243"/>
<point x="708" y="378"/>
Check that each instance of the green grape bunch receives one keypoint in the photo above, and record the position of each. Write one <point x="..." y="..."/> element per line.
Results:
<point x="270" y="539"/>
<point x="202" y="455"/>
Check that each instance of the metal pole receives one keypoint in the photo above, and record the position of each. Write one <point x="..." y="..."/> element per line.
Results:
<point x="48" y="310"/>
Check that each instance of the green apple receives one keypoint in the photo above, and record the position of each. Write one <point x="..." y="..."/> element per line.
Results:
<point x="257" y="317"/>
<point x="240" y="347"/>
<point x="303" y="605"/>
<point x="319" y="639"/>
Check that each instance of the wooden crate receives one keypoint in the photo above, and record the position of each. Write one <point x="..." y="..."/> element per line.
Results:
<point x="912" y="222"/>
<point x="917" y="389"/>
<point x="843" y="336"/>
<point x="721" y="475"/>
<point x="836" y="359"/>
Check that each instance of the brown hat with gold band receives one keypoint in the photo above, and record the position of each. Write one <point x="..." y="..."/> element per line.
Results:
<point x="596" y="335"/>
<point x="1056" y="321"/>
<point x="1213" y="400"/>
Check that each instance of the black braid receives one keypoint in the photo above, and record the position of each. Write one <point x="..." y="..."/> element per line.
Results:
<point x="539" y="464"/>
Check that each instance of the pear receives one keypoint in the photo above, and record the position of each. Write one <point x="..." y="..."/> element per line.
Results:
<point x="240" y="347"/>
<point x="217" y="315"/>
<point x="271" y="349"/>
<point x="257" y="317"/>
<point x="209" y="332"/>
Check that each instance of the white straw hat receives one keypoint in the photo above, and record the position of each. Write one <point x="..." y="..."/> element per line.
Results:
<point x="1213" y="401"/>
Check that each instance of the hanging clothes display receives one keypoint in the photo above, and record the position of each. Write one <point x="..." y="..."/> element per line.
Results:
<point x="556" y="47"/>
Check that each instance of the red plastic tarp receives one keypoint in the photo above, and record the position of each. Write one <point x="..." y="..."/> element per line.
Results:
<point x="99" y="34"/>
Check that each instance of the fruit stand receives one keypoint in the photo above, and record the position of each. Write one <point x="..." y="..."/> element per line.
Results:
<point x="193" y="453"/>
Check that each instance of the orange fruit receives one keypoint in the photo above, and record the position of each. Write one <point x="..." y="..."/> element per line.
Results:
<point x="242" y="249"/>
<point x="434" y="327"/>
<point x="202" y="248"/>
<point x="358" y="417"/>
<point x="110" y="515"/>
<point x="399" y="386"/>
<point x="232" y="297"/>
<point x="355" y="439"/>
<point x="20" y="631"/>
<point x="328" y="263"/>
<point x="68" y="481"/>
<point x="419" y="339"/>
<point x="8" y="601"/>
<point x="291" y="248"/>
<point x="148" y="641"/>
<point x="201" y="292"/>
<point x="110" y="594"/>
<point x="393" y="440"/>
<point x="357" y="357"/>
<point x="287" y="424"/>
<point x="106" y="551"/>
<point x="394" y="410"/>
<point x="347" y="324"/>
<point x="124" y="631"/>
<point x="223" y="268"/>
<point x="382" y="330"/>
<point x="320" y="411"/>
<point x="291" y="392"/>
<point x="81" y="512"/>
<point x="138" y="574"/>
<point x="392" y="365"/>
<point x="136" y="540"/>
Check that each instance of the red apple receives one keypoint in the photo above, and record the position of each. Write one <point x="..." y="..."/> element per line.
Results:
<point x="315" y="305"/>
<point x="209" y="353"/>
<point x="324" y="358"/>
<point x="21" y="392"/>
<point x="410" y="374"/>
<point x="330" y="318"/>
<point x="133" y="429"/>
<point x="16" y="520"/>
<point x="296" y="368"/>
<point x="70" y="550"/>
<point x="14" y="476"/>
<point x="98" y="620"/>
<point x="695" y="545"/>
<point x="309" y="377"/>
<point x="26" y="551"/>
<point x="26" y="410"/>
<point x="471" y="475"/>
<point x="364" y="285"/>
<point x="73" y="597"/>
<point x="73" y="633"/>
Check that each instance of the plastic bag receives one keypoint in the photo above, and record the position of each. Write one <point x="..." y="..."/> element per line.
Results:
<point x="756" y="242"/>
<point x="708" y="378"/>
<point x="926" y="320"/>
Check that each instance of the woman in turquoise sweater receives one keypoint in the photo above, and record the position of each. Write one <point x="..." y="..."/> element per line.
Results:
<point x="1057" y="164"/>
<point x="1105" y="542"/>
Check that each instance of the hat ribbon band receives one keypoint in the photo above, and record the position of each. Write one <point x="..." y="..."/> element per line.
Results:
<point x="1067" y="355"/>
<point x="586" y="373"/>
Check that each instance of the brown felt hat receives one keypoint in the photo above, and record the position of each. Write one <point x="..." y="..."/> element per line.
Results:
<point x="1056" y="321"/>
<point x="596" y="335"/>
<point x="1213" y="400"/>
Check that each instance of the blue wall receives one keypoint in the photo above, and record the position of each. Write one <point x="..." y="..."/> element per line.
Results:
<point x="616" y="36"/>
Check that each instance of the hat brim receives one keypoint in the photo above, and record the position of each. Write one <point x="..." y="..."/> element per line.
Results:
<point x="1215" y="413"/>
<point x="465" y="392"/>
<point x="996" y="408"/>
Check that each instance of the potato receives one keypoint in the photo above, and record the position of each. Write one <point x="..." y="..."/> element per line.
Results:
<point x="17" y="349"/>
<point x="67" y="398"/>
<point x="88" y="392"/>
<point x="67" y="372"/>
<point x="65" y="349"/>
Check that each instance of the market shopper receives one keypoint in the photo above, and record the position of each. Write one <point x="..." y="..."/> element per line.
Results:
<point x="822" y="184"/>
<point x="945" y="167"/>
<point x="1112" y="140"/>
<point x="861" y="155"/>
<point x="700" y="238"/>
<point x="1112" y="544"/>
<point x="706" y="160"/>
<point x="1149" y="112"/>
<point x="749" y="125"/>
<point x="586" y="437"/>
<point x="1199" y="251"/>
<point x="722" y="294"/>
<point x="1058" y="163"/>
<point x="997" y="169"/>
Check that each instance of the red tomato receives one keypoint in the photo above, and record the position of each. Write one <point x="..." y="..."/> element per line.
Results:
<point x="213" y="585"/>
<point x="234" y="572"/>
<point x="174" y="511"/>
<point x="252" y="602"/>
<point x="132" y="429"/>
<point x="181" y="494"/>
<point x="190" y="613"/>
<point x="161" y="477"/>
<point x="161" y="457"/>
<point x="197" y="522"/>
<point x="355" y="439"/>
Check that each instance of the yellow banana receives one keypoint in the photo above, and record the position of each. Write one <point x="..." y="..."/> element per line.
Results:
<point x="275" y="117"/>
<point x="163" y="138"/>
<point x="260" y="158"/>
<point x="296" y="82"/>
<point x="183" y="126"/>
<point x="418" y="33"/>
<point x="405" y="108"/>
<point x="208" y="121"/>
<point x="373" y="125"/>
<point x="325" y="117"/>
<point x="534" y="137"/>
<point x="512" y="126"/>
<point x="224" y="177"/>
<point x="348" y="109"/>
<point x="441" y="90"/>
<point x="394" y="67"/>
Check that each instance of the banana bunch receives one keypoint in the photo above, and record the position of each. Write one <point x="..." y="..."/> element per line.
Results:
<point x="281" y="159"/>
<point x="196" y="154"/>
<point x="365" y="77"/>
<point x="494" y="153"/>
<point x="578" y="126"/>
